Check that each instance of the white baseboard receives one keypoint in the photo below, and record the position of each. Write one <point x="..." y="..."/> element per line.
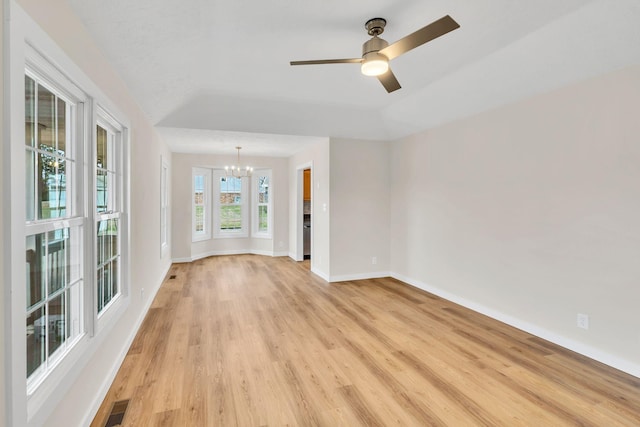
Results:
<point x="106" y="384"/>
<point x="360" y="276"/>
<point x="230" y="252"/>
<point x="622" y="364"/>
<point x="321" y="274"/>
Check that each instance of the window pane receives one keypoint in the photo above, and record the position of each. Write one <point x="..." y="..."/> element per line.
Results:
<point x="263" y="218"/>
<point x="29" y="111"/>
<point x="30" y="186"/>
<point x="198" y="184"/>
<point x="231" y="217"/>
<point x="58" y="259"/>
<point x="199" y="218"/>
<point x="114" y="277"/>
<point x="263" y="189"/>
<point x="61" y="116"/>
<point x="52" y="180"/>
<point x="74" y="257"/>
<point x="74" y="311"/>
<point x="106" y="284"/>
<point x="102" y="151"/>
<point x="106" y="231"/>
<point x="102" y="226"/>
<point x="100" y="289"/>
<point x="35" y="268"/>
<point x="112" y="232"/>
<point x="36" y="335"/>
<point x="102" y="191"/>
<point x="46" y="123"/>
<point x="230" y="190"/>
<point x="108" y="255"/>
<point x="56" y="322"/>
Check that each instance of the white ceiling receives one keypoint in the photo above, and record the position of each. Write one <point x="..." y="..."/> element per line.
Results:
<point x="197" y="66"/>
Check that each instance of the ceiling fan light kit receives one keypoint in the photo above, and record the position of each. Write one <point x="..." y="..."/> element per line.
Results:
<point x="377" y="52"/>
<point x="374" y="64"/>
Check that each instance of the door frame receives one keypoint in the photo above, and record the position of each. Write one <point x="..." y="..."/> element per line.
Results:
<point x="299" y="217"/>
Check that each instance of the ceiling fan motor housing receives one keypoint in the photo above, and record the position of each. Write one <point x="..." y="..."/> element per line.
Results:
<point x="373" y="45"/>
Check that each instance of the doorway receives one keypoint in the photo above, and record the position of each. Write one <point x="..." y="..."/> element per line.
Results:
<point x="306" y="214"/>
<point x="303" y="211"/>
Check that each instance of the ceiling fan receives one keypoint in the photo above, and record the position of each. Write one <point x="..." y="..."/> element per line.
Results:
<point x="377" y="52"/>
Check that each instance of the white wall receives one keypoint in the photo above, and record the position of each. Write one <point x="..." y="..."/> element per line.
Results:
<point x="148" y="267"/>
<point x="318" y="156"/>
<point x="184" y="250"/>
<point x="3" y="280"/>
<point x="531" y="214"/>
<point x="359" y="209"/>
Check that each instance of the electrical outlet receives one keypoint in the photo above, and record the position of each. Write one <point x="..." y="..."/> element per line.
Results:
<point x="374" y="260"/>
<point x="583" y="321"/>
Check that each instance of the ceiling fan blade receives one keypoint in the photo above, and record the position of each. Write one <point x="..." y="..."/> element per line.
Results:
<point x="432" y="31"/>
<point x="328" y="61"/>
<point x="389" y="81"/>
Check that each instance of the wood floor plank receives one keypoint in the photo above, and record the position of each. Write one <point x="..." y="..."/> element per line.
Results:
<point x="249" y="340"/>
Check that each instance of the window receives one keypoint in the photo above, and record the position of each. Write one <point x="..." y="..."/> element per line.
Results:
<point x="201" y="216"/>
<point x="231" y="213"/>
<point x="61" y="206"/>
<point x="262" y="208"/>
<point x="54" y="224"/>
<point x="164" y="207"/>
<point x="108" y="196"/>
<point x="73" y="231"/>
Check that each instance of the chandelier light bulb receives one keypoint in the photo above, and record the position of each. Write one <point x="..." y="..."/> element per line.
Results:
<point x="236" y="170"/>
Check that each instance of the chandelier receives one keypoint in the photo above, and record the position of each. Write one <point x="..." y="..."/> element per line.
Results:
<point x="236" y="170"/>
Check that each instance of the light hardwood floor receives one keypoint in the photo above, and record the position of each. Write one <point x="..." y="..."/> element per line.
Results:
<point x="255" y="341"/>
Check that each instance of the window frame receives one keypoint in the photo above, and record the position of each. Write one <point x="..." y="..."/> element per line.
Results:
<point x="43" y="74"/>
<point x="205" y="234"/>
<point x="116" y="131"/>
<point x="255" y="205"/>
<point x="164" y="207"/>
<point x="243" y="232"/>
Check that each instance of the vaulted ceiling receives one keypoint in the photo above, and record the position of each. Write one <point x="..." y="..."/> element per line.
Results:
<point x="212" y="73"/>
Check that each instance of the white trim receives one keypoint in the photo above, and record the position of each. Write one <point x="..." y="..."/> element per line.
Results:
<point x="321" y="274"/>
<point x="92" y="410"/>
<point x="359" y="276"/>
<point x="164" y="207"/>
<point x="614" y="361"/>
<point x="229" y="252"/>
